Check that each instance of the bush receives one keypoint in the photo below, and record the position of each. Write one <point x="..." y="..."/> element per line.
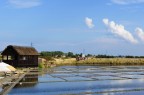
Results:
<point x="41" y="65"/>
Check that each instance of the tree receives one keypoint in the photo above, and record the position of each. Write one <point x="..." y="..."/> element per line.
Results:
<point x="52" y="53"/>
<point x="70" y="54"/>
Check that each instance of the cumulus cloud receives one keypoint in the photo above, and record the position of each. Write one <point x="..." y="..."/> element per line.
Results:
<point x="120" y="31"/>
<point x="24" y="3"/>
<point x="140" y="33"/>
<point x="125" y="2"/>
<point x="89" y="22"/>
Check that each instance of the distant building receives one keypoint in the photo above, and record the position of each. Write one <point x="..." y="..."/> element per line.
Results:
<point x="83" y="55"/>
<point x="19" y="56"/>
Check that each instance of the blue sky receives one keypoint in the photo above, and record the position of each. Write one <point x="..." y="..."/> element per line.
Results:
<point x="114" y="27"/>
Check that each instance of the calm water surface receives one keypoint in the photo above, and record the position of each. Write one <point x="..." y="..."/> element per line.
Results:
<point x="83" y="80"/>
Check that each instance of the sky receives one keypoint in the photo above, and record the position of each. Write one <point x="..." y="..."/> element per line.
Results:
<point x="113" y="27"/>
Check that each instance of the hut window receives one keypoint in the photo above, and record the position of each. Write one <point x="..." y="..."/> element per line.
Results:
<point x="4" y="57"/>
<point x="9" y="57"/>
<point x="23" y="58"/>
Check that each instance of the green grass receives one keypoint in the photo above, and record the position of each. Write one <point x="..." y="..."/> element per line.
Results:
<point x="41" y="65"/>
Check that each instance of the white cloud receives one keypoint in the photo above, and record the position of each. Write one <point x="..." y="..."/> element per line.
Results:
<point x="24" y="3"/>
<point x="120" y="31"/>
<point x="125" y="2"/>
<point x="140" y="33"/>
<point x="89" y="22"/>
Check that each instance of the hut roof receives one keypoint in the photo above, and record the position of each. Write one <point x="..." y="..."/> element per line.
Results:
<point x="22" y="50"/>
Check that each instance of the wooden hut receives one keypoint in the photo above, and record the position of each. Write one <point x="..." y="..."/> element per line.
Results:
<point x="19" y="56"/>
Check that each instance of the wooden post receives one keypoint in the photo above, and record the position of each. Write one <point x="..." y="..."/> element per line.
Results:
<point x="2" y="57"/>
<point x="7" y="57"/>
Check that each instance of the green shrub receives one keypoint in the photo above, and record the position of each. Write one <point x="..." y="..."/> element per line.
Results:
<point x="41" y="65"/>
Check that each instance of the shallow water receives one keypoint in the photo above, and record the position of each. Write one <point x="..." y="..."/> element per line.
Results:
<point x="83" y="80"/>
<point x="1" y="77"/>
<point x="0" y="89"/>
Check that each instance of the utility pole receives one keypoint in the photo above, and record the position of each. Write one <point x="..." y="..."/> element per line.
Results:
<point x="83" y="51"/>
<point x="31" y="44"/>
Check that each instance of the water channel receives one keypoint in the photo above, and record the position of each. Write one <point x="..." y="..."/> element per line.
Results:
<point x="83" y="80"/>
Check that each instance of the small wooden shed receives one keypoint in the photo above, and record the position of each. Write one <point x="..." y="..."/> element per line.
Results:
<point x="20" y="56"/>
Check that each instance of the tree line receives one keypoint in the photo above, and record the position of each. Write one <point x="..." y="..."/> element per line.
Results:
<point x="57" y="54"/>
<point x="73" y="55"/>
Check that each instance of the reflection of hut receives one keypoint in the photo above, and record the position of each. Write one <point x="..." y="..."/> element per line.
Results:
<point x="28" y="81"/>
<point x="19" y="56"/>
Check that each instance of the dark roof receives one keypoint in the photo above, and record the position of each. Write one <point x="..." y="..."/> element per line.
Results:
<point x="22" y="50"/>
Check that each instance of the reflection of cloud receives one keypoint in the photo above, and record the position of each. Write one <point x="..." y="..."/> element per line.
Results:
<point x="112" y="91"/>
<point x="140" y="80"/>
<point x="127" y="81"/>
<point x="88" y="69"/>
<point x="89" y="92"/>
<point x="108" y="93"/>
<point x="0" y="88"/>
<point x="24" y="3"/>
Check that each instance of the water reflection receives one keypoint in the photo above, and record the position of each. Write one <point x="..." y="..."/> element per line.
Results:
<point x="1" y="77"/>
<point x="0" y="89"/>
<point x="28" y="81"/>
<point x="127" y="81"/>
<point x="83" y="80"/>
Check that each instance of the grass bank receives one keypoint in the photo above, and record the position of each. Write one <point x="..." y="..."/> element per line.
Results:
<point x="65" y="61"/>
<point x="97" y="61"/>
<point x="102" y="61"/>
<point x="112" y="61"/>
